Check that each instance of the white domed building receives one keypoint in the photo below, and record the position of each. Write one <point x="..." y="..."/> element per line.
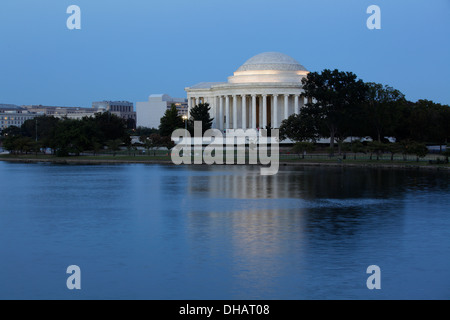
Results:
<point x="264" y="91"/>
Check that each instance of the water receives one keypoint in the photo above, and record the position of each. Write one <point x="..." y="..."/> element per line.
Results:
<point x="222" y="232"/>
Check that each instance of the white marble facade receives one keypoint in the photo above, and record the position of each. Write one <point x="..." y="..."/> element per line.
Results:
<point x="264" y="91"/>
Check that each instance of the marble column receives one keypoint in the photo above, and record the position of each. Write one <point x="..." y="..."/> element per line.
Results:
<point x="234" y="112"/>
<point x="264" y="115"/>
<point x="244" y="112"/>
<point x="220" y="112"/>
<point x="227" y="112"/>
<point x="253" y="111"/>
<point x="286" y="106"/>
<point x="275" y="111"/>
<point x="296" y="107"/>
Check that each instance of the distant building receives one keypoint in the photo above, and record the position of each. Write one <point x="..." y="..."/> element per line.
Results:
<point x="63" y="112"/>
<point x="122" y="109"/>
<point x="12" y="115"/>
<point x="149" y="113"/>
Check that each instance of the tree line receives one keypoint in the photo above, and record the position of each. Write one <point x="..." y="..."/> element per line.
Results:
<point x="342" y="106"/>
<point x="67" y="136"/>
<point x="92" y="134"/>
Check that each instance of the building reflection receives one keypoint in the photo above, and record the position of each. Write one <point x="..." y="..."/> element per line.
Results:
<point x="245" y="182"/>
<point x="264" y="219"/>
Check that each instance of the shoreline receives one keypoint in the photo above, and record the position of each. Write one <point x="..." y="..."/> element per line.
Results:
<point x="281" y="163"/>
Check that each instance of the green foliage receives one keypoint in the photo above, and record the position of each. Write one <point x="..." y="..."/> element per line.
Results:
<point x="144" y="131"/>
<point x="114" y="145"/>
<point x="357" y="147"/>
<point x="338" y="98"/>
<point x="11" y="131"/>
<point x="394" y="148"/>
<point x="44" y="127"/>
<point x="167" y="142"/>
<point x="381" y="110"/>
<point x="299" y="127"/>
<point x="200" y="113"/>
<point x="110" y="127"/>
<point x="302" y="148"/>
<point x="152" y="142"/>
<point x="413" y="147"/>
<point x="170" y="122"/>
<point x="20" y="144"/>
<point x="67" y="136"/>
<point x="419" y="149"/>
<point x="343" y="106"/>
<point x="377" y="148"/>
<point x="429" y="122"/>
<point x="446" y="153"/>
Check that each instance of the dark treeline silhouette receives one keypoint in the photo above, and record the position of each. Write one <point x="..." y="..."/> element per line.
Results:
<point x="342" y="106"/>
<point x="67" y="136"/>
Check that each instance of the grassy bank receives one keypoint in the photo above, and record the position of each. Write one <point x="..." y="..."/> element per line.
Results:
<point x="284" y="160"/>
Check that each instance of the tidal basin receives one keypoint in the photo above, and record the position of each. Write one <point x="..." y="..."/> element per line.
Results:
<point x="222" y="232"/>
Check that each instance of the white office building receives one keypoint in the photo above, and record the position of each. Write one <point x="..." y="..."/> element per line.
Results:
<point x="149" y="113"/>
<point x="11" y="115"/>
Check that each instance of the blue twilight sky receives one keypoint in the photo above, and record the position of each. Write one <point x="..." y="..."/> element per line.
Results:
<point x="127" y="50"/>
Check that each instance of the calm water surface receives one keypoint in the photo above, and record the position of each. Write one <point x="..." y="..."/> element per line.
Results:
<point x="173" y="232"/>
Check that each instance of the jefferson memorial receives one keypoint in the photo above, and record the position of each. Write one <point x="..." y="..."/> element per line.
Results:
<point x="264" y="91"/>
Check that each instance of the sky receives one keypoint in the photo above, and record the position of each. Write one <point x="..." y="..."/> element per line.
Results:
<point x="128" y="50"/>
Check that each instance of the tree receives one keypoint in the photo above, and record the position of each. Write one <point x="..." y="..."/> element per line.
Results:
<point x="114" y="145"/>
<point x="131" y="123"/>
<point x="376" y="147"/>
<point x="419" y="149"/>
<point x="394" y="148"/>
<point x="345" y="147"/>
<point x="20" y="144"/>
<point x="413" y="147"/>
<point x="299" y="127"/>
<point x="200" y="112"/>
<point x="68" y="137"/>
<point x="357" y="147"/>
<point x="170" y="122"/>
<point x="41" y="129"/>
<point x="429" y="122"/>
<point x="446" y="153"/>
<point x="336" y="100"/>
<point x="110" y="127"/>
<point x="11" y="131"/>
<point x="167" y="142"/>
<point x="151" y="142"/>
<point x="144" y="131"/>
<point x="302" y="148"/>
<point x="381" y="112"/>
<point x="402" y="130"/>
<point x="96" y="147"/>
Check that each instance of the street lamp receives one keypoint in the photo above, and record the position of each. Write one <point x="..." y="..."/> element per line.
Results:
<point x="185" y="117"/>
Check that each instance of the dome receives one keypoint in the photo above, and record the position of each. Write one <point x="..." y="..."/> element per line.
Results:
<point x="269" y="67"/>
<point x="272" y="61"/>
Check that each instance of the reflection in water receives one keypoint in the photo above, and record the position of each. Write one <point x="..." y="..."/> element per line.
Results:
<point x="328" y="214"/>
<point x="222" y="232"/>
